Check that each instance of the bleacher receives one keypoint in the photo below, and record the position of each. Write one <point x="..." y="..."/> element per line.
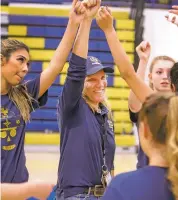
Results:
<point x="42" y="28"/>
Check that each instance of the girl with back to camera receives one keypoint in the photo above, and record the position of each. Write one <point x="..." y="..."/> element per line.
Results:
<point x="158" y="132"/>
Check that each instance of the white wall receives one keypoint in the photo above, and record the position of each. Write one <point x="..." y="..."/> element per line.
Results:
<point x="162" y="35"/>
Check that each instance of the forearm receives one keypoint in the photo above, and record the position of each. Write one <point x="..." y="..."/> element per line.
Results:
<point x="125" y="67"/>
<point x="56" y="65"/>
<point x="120" y="57"/>
<point x="19" y="191"/>
<point x="81" y="42"/>
<point x="73" y="87"/>
<point x="134" y="103"/>
<point x="64" y="48"/>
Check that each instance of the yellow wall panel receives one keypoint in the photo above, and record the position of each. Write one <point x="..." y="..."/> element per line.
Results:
<point x="4" y="9"/>
<point x="123" y="127"/>
<point x="131" y="57"/>
<point x="41" y="138"/>
<point x="117" y="92"/>
<point x="32" y="42"/>
<point x="62" y="79"/>
<point x="121" y="116"/>
<point x="62" y="12"/>
<point x="45" y="65"/>
<point x="65" y="68"/>
<point x="125" y="140"/>
<point x="126" y="35"/>
<point x="120" y="82"/>
<point x="128" y="46"/>
<point x="125" y="24"/>
<point x="17" y="30"/>
<point x="118" y="104"/>
<point x="116" y="71"/>
<point x="42" y="54"/>
<point x="120" y="15"/>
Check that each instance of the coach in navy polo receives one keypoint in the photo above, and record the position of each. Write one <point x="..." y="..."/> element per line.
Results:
<point x="81" y="142"/>
<point x="84" y="115"/>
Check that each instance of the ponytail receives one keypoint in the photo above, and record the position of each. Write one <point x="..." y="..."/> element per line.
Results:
<point x="21" y="98"/>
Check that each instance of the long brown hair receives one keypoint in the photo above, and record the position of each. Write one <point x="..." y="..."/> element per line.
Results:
<point x="156" y="59"/>
<point x="18" y="94"/>
<point x="161" y="113"/>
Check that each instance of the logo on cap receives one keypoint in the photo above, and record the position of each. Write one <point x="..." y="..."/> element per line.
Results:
<point x="94" y="61"/>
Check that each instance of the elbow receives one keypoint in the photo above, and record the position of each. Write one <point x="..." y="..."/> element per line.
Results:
<point x="134" y="107"/>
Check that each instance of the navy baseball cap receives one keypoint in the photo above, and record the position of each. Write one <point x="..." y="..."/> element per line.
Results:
<point x="94" y="65"/>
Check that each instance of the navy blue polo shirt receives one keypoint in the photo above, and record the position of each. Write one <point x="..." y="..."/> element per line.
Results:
<point x="142" y="158"/>
<point x="81" y="155"/>
<point x="13" y="169"/>
<point x="147" y="183"/>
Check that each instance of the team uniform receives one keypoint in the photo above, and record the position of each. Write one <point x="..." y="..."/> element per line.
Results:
<point x="147" y="183"/>
<point x="13" y="169"/>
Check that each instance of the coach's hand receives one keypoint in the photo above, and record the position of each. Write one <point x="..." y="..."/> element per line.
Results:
<point x="77" y="13"/>
<point x="143" y="50"/>
<point x="104" y="19"/>
<point x="92" y="7"/>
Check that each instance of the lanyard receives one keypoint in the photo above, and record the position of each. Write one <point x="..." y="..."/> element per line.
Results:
<point x="104" y="139"/>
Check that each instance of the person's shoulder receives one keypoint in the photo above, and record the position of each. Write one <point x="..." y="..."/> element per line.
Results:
<point x="118" y="188"/>
<point x="128" y="179"/>
<point x="122" y="178"/>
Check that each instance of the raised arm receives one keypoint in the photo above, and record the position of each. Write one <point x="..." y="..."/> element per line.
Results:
<point x="143" y="51"/>
<point x="73" y="86"/>
<point x="105" y="22"/>
<point x="56" y="65"/>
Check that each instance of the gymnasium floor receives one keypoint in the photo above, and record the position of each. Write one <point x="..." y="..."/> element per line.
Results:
<point x="42" y="162"/>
